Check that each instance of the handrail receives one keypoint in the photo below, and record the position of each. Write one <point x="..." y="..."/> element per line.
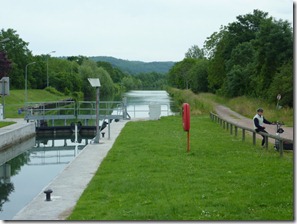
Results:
<point x="217" y="118"/>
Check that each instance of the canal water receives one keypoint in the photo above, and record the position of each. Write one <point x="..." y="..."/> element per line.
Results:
<point x="27" y="168"/>
<point x="139" y="101"/>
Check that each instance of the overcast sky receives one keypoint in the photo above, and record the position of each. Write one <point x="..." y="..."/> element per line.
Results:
<point x="145" y="30"/>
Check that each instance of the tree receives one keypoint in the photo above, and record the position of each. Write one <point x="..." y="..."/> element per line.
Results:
<point x="195" y="52"/>
<point x="246" y="55"/>
<point x="282" y="83"/>
<point x="19" y="54"/>
<point x="274" y="46"/>
<point x="199" y="74"/>
<point x="5" y="64"/>
<point x="89" y="69"/>
<point x="179" y="75"/>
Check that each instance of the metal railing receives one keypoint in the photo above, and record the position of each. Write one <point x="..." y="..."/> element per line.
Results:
<point x="230" y="126"/>
<point x="134" y="109"/>
<point x="71" y="110"/>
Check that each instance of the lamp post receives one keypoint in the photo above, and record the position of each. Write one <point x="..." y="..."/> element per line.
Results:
<point x="95" y="82"/>
<point x="3" y="95"/>
<point x="26" y="80"/>
<point x="47" y="80"/>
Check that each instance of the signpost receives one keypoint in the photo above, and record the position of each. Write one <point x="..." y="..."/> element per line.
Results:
<point x="4" y="90"/>
<point x="279" y="96"/>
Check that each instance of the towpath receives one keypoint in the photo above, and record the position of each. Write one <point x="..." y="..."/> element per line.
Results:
<point x="230" y="115"/>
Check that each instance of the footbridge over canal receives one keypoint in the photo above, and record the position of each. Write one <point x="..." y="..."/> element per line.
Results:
<point x="62" y="115"/>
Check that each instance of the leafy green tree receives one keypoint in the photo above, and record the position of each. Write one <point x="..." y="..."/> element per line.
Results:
<point x="89" y="69"/>
<point x="152" y="80"/>
<point x="179" y="75"/>
<point x="199" y="74"/>
<point x="282" y="83"/>
<point x="274" y="45"/>
<point x="5" y="64"/>
<point x="19" y="55"/>
<point x="240" y="70"/>
<point x="195" y="52"/>
<point x="115" y="73"/>
<point x="246" y="55"/>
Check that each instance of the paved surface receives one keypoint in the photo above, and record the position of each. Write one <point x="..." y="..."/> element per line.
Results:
<point x="70" y="183"/>
<point x="20" y="122"/>
<point x="236" y="118"/>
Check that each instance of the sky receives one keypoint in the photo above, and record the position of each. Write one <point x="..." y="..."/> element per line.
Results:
<point x="142" y="30"/>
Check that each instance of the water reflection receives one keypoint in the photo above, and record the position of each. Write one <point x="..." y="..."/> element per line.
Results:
<point x="138" y="102"/>
<point x="27" y="168"/>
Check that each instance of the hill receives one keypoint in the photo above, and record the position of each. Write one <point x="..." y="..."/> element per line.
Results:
<point x="136" y="67"/>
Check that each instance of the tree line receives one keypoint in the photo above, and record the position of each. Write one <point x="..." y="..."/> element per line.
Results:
<point x="68" y="75"/>
<point x="252" y="56"/>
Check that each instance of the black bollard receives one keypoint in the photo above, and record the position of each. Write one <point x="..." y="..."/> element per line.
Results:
<point x="48" y="194"/>
<point x="102" y="133"/>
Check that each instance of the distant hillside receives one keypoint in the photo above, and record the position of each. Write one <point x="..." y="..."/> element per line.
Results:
<point x="136" y="67"/>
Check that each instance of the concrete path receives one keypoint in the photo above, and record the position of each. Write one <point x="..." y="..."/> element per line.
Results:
<point x="68" y="186"/>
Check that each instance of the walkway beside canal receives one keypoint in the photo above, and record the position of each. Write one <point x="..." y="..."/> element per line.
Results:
<point x="68" y="186"/>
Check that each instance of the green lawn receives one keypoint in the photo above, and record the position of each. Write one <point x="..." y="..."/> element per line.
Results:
<point x="148" y="175"/>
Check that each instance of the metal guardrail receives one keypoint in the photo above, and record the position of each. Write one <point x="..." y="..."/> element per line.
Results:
<point x="230" y="125"/>
<point x="71" y="110"/>
<point x="144" y="108"/>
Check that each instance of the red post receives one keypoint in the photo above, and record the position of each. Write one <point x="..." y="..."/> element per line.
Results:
<point x="188" y="149"/>
<point x="186" y="123"/>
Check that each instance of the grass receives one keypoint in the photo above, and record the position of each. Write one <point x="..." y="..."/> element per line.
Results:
<point x="6" y="123"/>
<point x="148" y="175"/>
<point x="203" y="103"/>
<point x="16" y="100"/>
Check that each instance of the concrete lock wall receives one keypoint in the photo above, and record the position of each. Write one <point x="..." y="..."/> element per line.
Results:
<point x="16" y="133"/>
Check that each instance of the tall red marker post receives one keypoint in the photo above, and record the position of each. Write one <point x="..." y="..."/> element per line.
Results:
<point x="186" y="123"/>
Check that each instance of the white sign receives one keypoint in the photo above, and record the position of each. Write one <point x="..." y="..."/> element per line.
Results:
<point x="4" y="86"/>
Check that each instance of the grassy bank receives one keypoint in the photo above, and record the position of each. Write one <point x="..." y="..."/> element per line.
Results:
<point x="203" y="103"/>
<point x="148" y="175"/>
<point x="16" y="100"/>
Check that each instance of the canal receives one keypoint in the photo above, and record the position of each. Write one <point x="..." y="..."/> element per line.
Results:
<point x="27" y="168"/>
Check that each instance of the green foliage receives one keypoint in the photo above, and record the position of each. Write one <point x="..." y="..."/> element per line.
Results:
<point x="198" y="74"/>
<point x="203" y="103"/>
<point x="152" y="80"/>
<point x="179" y="74"/>
<point x="69" y="75"/>
<point x="195" y="52"/>
<point x="152" y="177"/>
<point x="245" y="58"/>
<point x="135" y="67"/>
<point x="247" y="54"/>
<point x="53" y="91"/>
<point x="19" y="54"/>
<point x="282" y="83"/>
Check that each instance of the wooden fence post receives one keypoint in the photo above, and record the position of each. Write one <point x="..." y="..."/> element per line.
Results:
<point x="281" y="147"/>
<point x="254" y="138"/>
